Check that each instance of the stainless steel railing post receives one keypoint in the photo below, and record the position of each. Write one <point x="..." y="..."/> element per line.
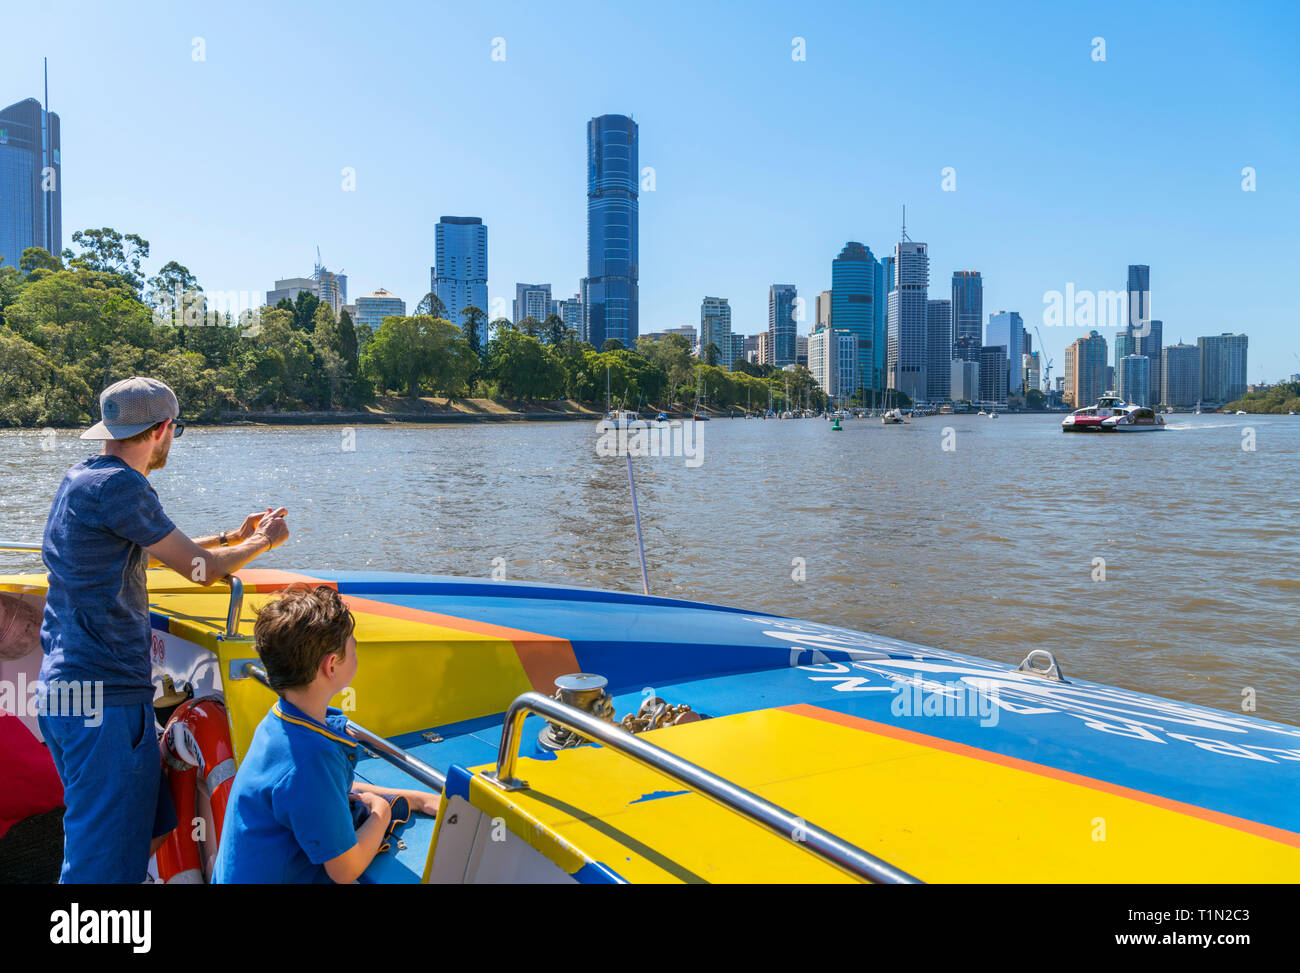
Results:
<point x="830" y="848"/>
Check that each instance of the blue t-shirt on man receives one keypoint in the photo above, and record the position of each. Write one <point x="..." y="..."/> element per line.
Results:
<point x="288" y="811"/>
<point x="96" y="624"/>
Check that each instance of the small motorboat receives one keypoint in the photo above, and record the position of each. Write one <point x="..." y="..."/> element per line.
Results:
<point x="893" y="417"/>
<point x="622" y="419"/>
<point x="981" y="413"/>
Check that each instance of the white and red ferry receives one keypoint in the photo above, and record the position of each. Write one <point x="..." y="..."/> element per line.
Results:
<point x="1113" y="414"/>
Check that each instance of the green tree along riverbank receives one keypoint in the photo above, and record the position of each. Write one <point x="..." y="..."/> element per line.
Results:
<point x="1276" y="399"/>
<point x="74" y="323"/>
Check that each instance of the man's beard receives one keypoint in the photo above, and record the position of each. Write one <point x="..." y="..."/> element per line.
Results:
<point x="159" y="458"/>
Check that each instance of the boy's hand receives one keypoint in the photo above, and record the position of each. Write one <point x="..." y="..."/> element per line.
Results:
<point x="378" y="806"/>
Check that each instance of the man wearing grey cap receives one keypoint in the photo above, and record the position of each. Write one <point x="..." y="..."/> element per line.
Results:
<point x="105" y="526"/>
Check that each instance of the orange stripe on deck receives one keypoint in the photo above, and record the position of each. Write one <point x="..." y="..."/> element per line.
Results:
<point x="271" y="579"/>
<point x="544" y="657"/>
<point x="1015" y="763"/>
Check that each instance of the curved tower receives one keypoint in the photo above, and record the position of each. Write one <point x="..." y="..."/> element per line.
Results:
<point x="609" y="295"/>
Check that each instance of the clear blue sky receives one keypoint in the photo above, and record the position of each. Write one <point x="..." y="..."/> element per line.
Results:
<point x="1067" y="169"/>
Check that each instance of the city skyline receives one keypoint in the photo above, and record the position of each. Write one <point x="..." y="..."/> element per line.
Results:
<point x="238" y="233"/>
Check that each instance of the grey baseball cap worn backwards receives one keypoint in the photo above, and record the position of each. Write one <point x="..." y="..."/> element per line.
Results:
<point x="131" y="406"/>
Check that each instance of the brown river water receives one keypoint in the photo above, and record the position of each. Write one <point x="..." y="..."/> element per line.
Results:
<point x="987" y="547"/>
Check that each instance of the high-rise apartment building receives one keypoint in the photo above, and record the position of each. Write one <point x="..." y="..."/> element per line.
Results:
<point x="993" y="374"/>
<point x="823" y="311"/>
<point x="1150" y="345"/>
<point x="967" y="314"/>
<point x="31" y="180"/>
<point x="715" y="328"/>
<point x="460" y="273"/>
<point x="289" y="289"/>
<point x="964" y="384"/>
<point x="906" y="348"/>
<point x="532" y="301"/>
<point x="938" y="330"/>
<point x="1008" y="330"/>
<point x="331" y="288"/>
<point x="372" y="308"/>
<point x="610" y="290"/>
<point x="1033" y="371"/>
<point x="1180" y="379"/>
<point x="1223" y="368"/>
<point x="570" y="312"/>
<point x="1085" y="370"/>
<point x="781" y="328"/>
<point x="833" y="362"/>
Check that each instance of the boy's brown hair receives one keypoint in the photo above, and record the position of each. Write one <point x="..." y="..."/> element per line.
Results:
<point x="294" y="632"/>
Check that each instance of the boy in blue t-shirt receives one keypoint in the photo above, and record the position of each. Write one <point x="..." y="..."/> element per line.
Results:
<point x="289" y="819"/>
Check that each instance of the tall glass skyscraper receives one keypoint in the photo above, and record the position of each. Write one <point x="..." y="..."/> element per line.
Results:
<point x="460" y="273"/>
<point x="967" y="314"/>
<point x="609" y="291"/>
<point x="1150" y="345"/>
<point x="1008" y="330"/>
<point x="906" y="349"/>
<point x="1139" y="295"/>
<point x="1134" y="375"/>
<point x="857" y="305"/>
<point x="31" y="181"/>
<point x="781" y="329"/>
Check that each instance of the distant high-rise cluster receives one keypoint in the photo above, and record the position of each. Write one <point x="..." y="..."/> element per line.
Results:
<point x="874" y="329"/>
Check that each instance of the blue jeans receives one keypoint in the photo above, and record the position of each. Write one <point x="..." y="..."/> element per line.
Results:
<point x="112" y="791"/>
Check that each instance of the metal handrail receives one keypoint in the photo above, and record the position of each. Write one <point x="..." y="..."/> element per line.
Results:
<point x="828" y="847"/>
<point x="236" y="586"/>
<point x="395" y="755"/>
<point x="236" y="605"/>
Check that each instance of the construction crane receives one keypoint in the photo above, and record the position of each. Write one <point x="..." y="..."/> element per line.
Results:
<point x="1047" y="367"/>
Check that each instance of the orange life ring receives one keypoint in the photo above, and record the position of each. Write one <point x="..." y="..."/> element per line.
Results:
<point x="200" y="767"/>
